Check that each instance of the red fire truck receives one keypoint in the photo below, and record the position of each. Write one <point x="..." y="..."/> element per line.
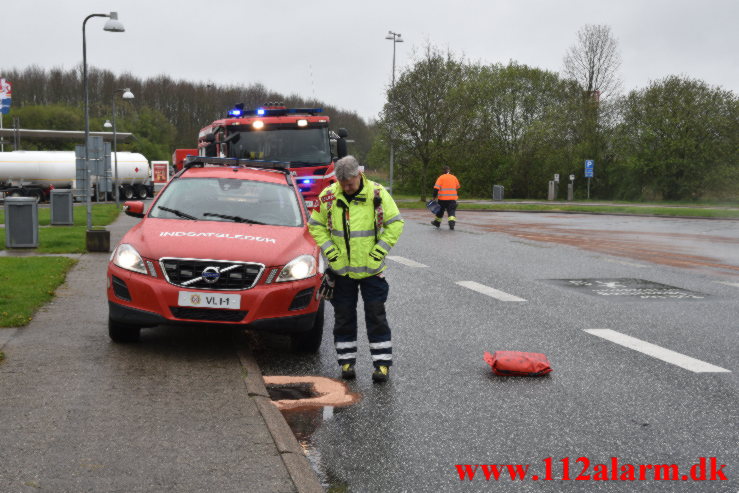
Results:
<point x="274" y="133"/>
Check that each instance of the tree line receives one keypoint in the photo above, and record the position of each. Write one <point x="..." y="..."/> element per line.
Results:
<point x="517" y="126"/>
<point x="165" y="114"/>
<point x="507" y="124"/>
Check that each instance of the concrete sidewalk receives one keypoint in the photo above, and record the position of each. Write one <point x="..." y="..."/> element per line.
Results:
<point x="184" y="410"/>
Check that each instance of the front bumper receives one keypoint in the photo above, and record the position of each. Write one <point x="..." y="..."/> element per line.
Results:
<point x="148" y="301"/>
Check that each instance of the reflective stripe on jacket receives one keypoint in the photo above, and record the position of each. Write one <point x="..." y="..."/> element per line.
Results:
<point x="350" y="236"/>
<point x="447" y="185"/>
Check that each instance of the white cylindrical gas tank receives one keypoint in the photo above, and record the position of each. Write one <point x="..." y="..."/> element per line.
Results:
<point x="58" y="168"/>
<point x="133" y="168"/>
<point x="41" y="168"/>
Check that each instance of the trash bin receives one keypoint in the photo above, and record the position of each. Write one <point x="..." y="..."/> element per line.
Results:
<point x="62" y="207"/>
<point x="498" y="191"/>
<point x="21" y="222"/>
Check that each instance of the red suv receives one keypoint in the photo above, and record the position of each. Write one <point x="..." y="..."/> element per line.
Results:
<point x="225" y="242"/>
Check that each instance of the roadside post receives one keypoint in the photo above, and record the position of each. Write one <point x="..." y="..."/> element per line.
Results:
<point x="571" y="188"/>
<point x="589" y="169"/>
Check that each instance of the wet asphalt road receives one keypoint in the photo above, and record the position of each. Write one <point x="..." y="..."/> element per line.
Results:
<point x="443" y="406"/>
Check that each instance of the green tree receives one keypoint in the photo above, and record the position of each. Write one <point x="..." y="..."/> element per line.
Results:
<point x="154" y="134"/>
<point x="521" y="129"/>
<point x="678" y="140"/>
<point x="422" y="110"/>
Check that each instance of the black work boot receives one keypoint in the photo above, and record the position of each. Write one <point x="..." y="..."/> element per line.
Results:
<point x="451" y="224"/>
<point x="381" y="374"/>
<point x="436" y="223"/>
<point x="347" y="371"/>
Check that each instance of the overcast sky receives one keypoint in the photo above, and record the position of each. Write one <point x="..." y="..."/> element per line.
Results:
<point x="337" y="52"/>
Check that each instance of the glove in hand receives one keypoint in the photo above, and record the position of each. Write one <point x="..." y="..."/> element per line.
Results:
<point x="326" y="290"/>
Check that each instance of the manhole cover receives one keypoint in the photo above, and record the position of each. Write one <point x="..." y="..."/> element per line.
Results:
<point x="627" y="288"/>
<point x="291" y="391"/>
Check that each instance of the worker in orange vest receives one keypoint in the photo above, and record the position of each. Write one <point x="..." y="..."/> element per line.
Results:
<point x="445" y="191"/>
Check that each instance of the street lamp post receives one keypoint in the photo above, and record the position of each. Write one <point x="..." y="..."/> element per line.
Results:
<point x="127" y="94"/>
<point x="112" y="25"/>
<point x="396" y="38"/>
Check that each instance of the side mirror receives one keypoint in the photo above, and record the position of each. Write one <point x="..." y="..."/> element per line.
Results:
<point x="209" y="137"/>
<point x="134" y="208"/>
<point x="341" y="149"/>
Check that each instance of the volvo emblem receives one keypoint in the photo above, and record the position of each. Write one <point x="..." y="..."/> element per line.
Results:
<point x="211" y="274"/>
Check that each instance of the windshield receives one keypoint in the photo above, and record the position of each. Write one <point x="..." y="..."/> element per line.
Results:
<point x="229" y="200"/>
<point x="300" y="147"/>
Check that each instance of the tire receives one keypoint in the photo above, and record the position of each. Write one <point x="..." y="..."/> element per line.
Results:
<point x="310" y="340"/>
<point x="126" y="192"/>
<point x="36" y="194"/>
<point x="123" y="333"/>
<point x="141" y="192"/>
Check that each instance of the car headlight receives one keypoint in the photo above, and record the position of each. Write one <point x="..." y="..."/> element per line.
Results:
<point x="298" y="268"/>
<point x="126" y="257"/>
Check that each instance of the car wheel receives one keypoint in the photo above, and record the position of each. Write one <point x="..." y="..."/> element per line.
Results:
<point x="123" y="333"/>
<point x="310" y="341"/>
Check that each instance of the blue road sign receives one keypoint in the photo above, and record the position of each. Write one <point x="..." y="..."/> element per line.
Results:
<point x="589" y="168"/>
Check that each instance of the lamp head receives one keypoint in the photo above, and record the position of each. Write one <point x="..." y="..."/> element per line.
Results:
<point x="107" y="124"/>
<point x="127" y="94"/>
<point x="113" y="24"/>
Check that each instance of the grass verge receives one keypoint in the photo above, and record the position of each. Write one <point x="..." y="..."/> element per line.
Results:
<point x="102" y="214"/>
<point x="69" y="239"/>
<point x="19" y="298"/>
<point x="602" y="209"/>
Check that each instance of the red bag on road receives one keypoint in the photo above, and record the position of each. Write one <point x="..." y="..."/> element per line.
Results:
<point x="518" y="363"/>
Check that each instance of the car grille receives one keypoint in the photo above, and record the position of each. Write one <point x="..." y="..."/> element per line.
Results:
<point x="209" y="314"/>
<point x="231" y="276"/>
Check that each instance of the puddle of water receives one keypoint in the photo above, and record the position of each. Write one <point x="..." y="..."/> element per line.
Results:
<point x="306" y="403"/>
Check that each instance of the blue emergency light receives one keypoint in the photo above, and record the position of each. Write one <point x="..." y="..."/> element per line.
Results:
<point x="306" y="182"/>
<point x="260" y="111"/>
<point x="237" y="110"/>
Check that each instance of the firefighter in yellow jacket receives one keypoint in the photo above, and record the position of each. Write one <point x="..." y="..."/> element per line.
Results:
<point x="356" y="225"/>
<point x="445" y="190"/>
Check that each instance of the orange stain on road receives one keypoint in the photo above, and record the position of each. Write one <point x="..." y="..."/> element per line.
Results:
<point x="329" y="392"/>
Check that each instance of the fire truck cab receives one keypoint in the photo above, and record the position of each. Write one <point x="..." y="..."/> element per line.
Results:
<point x="275" y="133"/>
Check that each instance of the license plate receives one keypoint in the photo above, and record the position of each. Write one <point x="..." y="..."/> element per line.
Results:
<point x="310" y="203"/>
<point x="209" y="300"/>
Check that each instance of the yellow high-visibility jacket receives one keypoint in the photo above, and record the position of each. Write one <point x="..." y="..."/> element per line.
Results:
<point x="352" y="236"/>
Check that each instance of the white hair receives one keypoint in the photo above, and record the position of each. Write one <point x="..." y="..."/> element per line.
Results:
<point x="347" y="168"/>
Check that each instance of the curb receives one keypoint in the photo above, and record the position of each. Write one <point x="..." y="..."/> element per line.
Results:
<point x="6" y="334"/>
<point x="300" y="471"/>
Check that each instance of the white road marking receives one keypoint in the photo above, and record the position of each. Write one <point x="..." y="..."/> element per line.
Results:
<point x="631" y="264"/>
<point x="487" y="290"/>
<point x="735" y="284"/>
<point x="667" y="355"/>
<point x="405" y="261"/>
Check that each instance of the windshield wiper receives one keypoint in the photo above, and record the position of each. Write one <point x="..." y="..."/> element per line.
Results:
<point x="237" y="219"/>
<point x="184" y="215"/>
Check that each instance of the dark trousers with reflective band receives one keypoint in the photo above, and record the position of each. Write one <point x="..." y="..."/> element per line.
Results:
<point x="450" y="206"/>
<point x="374" y="294"/>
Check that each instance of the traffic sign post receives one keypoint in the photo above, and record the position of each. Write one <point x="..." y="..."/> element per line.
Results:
<point x="589" y="172"/>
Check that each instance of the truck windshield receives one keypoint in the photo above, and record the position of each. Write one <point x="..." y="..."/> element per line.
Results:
<point x="229" y="200"/>
<point x="300" y="147"/>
